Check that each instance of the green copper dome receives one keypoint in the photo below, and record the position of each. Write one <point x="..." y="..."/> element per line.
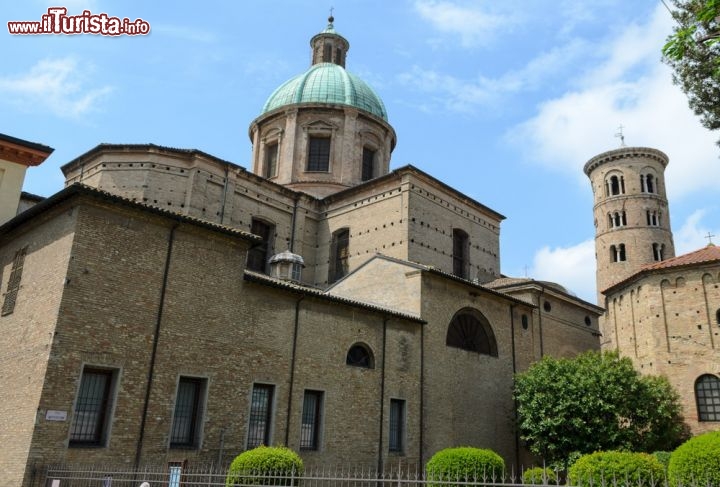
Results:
<point x="327" y="83"/>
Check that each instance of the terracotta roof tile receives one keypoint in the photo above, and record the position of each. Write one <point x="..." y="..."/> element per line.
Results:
<point x="705" y="255"/>
<point x="313" y="291"/>
<point x="710" y="253"/>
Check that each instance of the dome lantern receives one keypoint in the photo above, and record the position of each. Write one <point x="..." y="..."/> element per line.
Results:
<point x="328" y="46"/>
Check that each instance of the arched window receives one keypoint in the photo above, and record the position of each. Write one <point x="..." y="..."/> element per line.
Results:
<point x="658" y="251"/>
<point x="460" y="253"/>
<point x="717" y="316"/>
<point x="653" y="218"/>
<point x="470" y="330"/>
<point x="615" y="185"/>
<point x="339" y="254"/>
<point x="648" y="183"/>
<point x="617" y="253"/>
<point x="257" y="257"/>
<point x="707" y="396"/>
<point x="360" y="355"/>
<point x="618" y="219"/>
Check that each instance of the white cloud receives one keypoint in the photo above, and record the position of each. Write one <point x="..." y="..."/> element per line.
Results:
<point x="572" y="267"/>
<point x="693" y="233"/>
<point x="473" y="26"/>
<point x="56" y="85"/>
<point x="466" y="95"/>
<point x="448" y="91"/>
<point x="631" y="87"/>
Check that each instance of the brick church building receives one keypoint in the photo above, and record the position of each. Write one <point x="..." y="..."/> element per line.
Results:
<point x="171" y="306"/>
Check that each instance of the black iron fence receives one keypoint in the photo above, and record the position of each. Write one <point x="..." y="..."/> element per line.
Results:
<point x="177" y="475"/>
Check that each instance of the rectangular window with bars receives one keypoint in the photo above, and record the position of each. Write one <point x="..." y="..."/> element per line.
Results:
<point x="13" y="282"/>
<point x="92" y="408"/>
<point x="396" y="442"/>
<point x="311" y="416"/>
<point x="319" y="154"/>
<point x="260" y="415"/>
<point x="187" y="418"/>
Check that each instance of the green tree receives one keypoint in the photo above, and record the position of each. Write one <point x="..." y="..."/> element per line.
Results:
<point x="595" y="401"/>
<point x="693" y="52"/>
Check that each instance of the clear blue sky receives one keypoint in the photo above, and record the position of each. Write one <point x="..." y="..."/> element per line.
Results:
<point x="505" y="101"/>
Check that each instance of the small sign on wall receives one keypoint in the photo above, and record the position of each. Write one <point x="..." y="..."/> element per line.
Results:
<point x="51" y="415"/>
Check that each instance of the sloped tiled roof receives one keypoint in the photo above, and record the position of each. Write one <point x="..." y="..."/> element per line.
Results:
<point x="507" y="281"/>
<point x="434" y="270"/>
<point x="507" y="284"/>
<point x="710" y="253"/>
<point x="81" y="189"/>
<point x="706" y="255"/>
<point x="313" y="291"/>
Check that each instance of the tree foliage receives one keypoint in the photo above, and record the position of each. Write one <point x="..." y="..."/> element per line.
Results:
<point x="693" y="51"/>
<point x="595" y="401"/>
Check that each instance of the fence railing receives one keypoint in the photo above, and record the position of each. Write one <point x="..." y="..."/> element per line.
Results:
<point x="321" y="476"/>
<point x="212" y="476"/>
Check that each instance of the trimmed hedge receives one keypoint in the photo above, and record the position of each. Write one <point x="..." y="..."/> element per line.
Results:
<point x="663" y="457"/>
<point x="697" y="461"/>
<point x="616" y="468"/>
<point x="539" y="476"/>
<point x="263" y="465"/>
<point x="464" y="464"/>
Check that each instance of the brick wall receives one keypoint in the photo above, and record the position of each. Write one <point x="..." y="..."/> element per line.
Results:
<point x="28" y="333"/>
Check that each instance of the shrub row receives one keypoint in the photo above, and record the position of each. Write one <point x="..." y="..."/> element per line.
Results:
<point x="695" y="462"/>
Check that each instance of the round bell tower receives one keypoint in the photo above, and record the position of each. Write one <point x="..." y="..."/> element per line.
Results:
<point x="632" y="221"/>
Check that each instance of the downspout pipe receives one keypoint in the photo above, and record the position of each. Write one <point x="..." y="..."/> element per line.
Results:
<point x="540" y="328"/>
<point x="422" y="392"/>
<point x="156" y="339"/>
<point x="292" y="370"/>
<point x="382" y="397"/>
